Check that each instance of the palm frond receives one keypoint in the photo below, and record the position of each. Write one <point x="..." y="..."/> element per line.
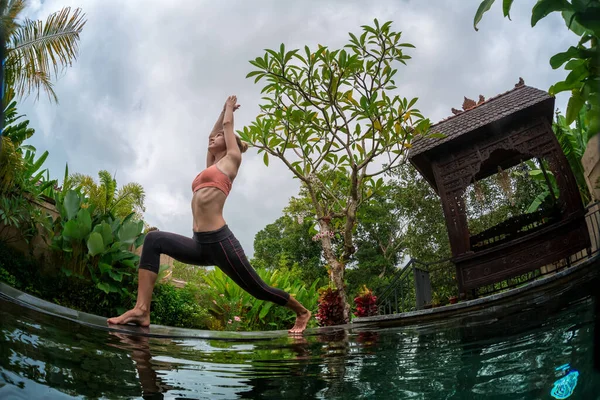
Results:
<point x="85" y="182"/>
<point x="130" y="197"/>
<point x="23" y="80"/>
<point x="9" y="12"/>
<point x="109" y="186"/>
<point x="38" y="50"/>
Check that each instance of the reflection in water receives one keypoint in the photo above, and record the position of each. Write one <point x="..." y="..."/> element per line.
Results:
<point x="138" y="346"/>
<point x="513" y="357"/>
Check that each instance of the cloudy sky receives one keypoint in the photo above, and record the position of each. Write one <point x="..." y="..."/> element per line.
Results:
<point x="152" y="77"/>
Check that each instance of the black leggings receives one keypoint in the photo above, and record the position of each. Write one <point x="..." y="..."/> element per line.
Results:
<point x="219" y="248"/>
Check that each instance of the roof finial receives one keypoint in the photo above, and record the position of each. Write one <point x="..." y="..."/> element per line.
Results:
<point x="468" y="103"/>
<point x="520" y="83"/>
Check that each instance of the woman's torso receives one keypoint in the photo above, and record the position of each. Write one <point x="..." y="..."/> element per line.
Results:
<point x="208" y="200"/>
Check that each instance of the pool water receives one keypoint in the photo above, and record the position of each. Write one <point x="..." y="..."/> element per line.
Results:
<point x="529" y="353"/>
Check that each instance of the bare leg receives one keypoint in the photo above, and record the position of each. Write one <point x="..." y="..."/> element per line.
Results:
<point x="302" y="315"/>
<point x="140" y="314"/>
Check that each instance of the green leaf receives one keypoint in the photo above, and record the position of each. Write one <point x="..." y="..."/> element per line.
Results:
<point x="578" y="75"/>
<point x="71" y="204"/>
<point x="545" y="7"/>
<point x="265" y="310"/>
<point x="129" y="231"/>
<point x="560" y="58"/>
<point x="115" y="275"/>
<point x="538" y="201"/>
<point x="572" y="24"/>
<point x="562" y="86"/>
<point x="85" y="219"/>
<point x="107" y="287"/>
<point x="95" y="244"/>
<point x="74" y="230"/>
<point x="104" y="267"/>
<point x="571" y="65"/>
<point x="506" y="4"/>
<point x="139" y="241"/>
<point x="574" y="106"/>
<point x="266" y="159"/>
<point x="483" y="8"/>
<point x="128" y="263"/>
<point x="590" y="19"/>
<point x="105" y="231"/>
<point x="377" y="125"/>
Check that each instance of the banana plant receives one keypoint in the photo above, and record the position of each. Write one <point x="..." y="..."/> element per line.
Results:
<point x="36" y="181"/>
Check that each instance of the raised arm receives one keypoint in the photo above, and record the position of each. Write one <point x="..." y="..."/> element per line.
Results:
<point x="210" y="158"/>
<point x="219" y="124"/>
<point x="233" y="151"/>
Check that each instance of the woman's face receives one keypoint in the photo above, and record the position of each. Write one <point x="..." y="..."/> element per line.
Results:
<point x="217" y="142"/>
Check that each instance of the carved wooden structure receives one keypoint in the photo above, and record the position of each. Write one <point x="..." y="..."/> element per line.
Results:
<point x="501" y="132"/>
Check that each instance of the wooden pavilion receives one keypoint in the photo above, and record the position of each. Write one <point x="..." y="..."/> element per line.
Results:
<point x="501" y="132"/>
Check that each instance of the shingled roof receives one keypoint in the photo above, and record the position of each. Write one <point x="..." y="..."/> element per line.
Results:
<point x="479" y="115"/>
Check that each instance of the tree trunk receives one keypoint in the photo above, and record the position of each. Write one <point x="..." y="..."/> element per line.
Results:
<point x="337" y="268"/>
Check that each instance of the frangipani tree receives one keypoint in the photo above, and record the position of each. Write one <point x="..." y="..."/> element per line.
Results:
<point x="333" y="118"/>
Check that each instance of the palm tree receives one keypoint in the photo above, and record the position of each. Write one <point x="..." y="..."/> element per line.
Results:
<point x="36" y="51"/>
<point x="32" y="52"/>
<point x="107" y="199"/>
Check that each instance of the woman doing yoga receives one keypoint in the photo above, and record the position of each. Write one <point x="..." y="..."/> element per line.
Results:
<point x="212" y="243"/>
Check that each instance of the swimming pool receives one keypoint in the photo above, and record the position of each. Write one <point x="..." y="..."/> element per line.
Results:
<point x="528" y="351"/>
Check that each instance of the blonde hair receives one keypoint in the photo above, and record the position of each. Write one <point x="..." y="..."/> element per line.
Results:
<point x="242" y="145"/>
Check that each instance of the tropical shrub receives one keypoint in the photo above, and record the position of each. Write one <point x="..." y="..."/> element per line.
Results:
<point x="366" y="303"/>
<point x="7" y="277"/>
<point x="98" y="248"/>
<point x="230" y="301"/>
<point x="40" y="280"/>
<point x="180" y="307"/>
<point x="18" y="218"/>
<point x="11" y="155"/>
<point x="107" y="198"/>
<point x="331" y="307"/>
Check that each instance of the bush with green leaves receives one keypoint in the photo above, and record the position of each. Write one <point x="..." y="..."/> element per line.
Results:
<point x="42" y="281"/>
<point x="7" y="277"/>
<point x="184" y="307"/>
<point x="97" y="247"/>
<point x="230" y="301"/>
<point x="19" y="218"/>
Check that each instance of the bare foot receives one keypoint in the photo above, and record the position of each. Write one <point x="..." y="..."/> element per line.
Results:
<point x="136" y="315"/>
<point x="301" y="321"/>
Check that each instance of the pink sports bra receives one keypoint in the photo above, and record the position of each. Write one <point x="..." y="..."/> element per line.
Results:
<point x="212" y="177"/>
